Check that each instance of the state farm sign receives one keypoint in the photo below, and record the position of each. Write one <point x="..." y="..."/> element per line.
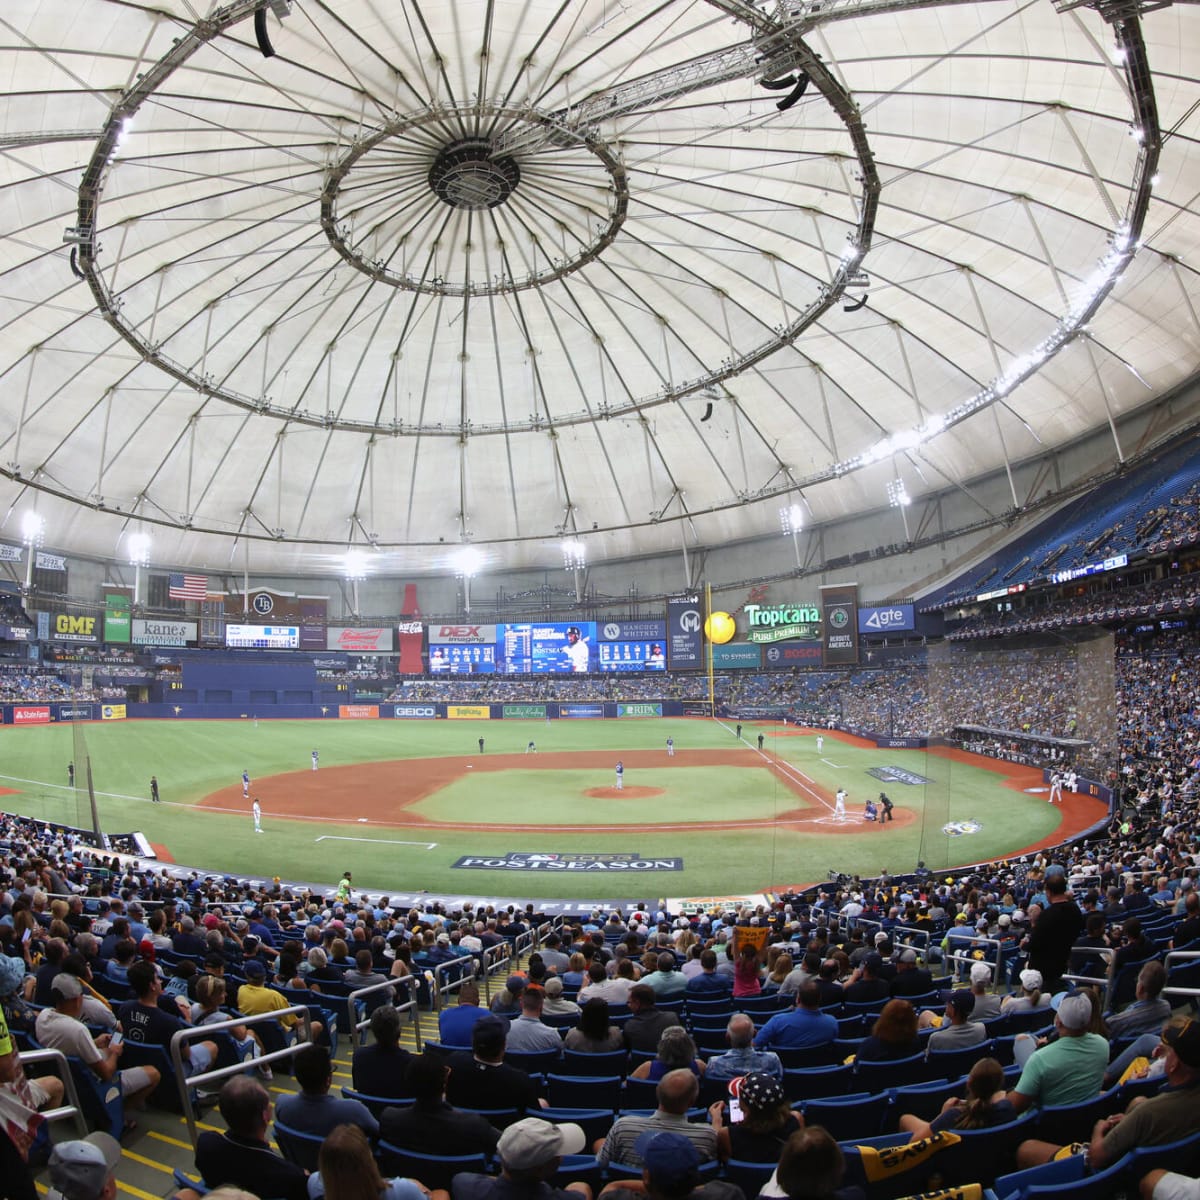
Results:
<point x="27" y="715"/>
<point x="363" y="641"/>
<point x="462" y="635"/>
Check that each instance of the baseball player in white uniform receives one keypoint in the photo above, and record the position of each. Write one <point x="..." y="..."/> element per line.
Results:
<point x="839" y="804"/>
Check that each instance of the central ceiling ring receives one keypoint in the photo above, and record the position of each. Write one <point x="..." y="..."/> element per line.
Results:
<point x="474" y="175"/>
<point x="469" y="174"/>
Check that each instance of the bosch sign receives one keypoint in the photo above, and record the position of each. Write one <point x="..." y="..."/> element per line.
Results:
<point x="894" y="618"/>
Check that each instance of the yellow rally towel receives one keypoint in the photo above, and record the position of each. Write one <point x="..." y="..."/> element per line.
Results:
<point x="966" y="1191"/>
<point x="880" y="1164"/>
<point x="1138" y="1067"/>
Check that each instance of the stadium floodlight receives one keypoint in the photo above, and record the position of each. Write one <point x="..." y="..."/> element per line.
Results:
<point x="468" y="562"/>
<point x="33" y="529"/>
<point x="354" y="565"/>
<point x="574" y="555"/>
<point x="137" y="547"/>
<point x="791" y="519"/>
<point x="898" y="496"/>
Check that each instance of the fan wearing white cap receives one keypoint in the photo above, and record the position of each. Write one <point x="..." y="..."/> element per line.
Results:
<point x="1069" y="1069"/>
<point x="530" y="1152"/>
<point x="86" y="1169"/>
<point x="1031" y="996"/>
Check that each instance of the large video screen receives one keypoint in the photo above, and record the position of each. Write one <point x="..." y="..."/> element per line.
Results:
<point x="547" y="648"/>
<point x="451" y="658"/>
<point x="632" y="656"/>
<point x="262" y="637"/>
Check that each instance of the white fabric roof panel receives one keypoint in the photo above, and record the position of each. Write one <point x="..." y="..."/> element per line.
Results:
<point x="476" y="272"/>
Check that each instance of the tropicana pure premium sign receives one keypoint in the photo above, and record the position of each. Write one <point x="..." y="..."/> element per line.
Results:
<point x="783" y="622"/>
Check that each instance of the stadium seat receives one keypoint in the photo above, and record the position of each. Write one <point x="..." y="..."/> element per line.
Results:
<point x="298" y="1147"/>
<point x="815" y="1082"/>
<point x="612" y="1062"/>
<point x="433" y="1170"/>
<point x="848" y="1117"/>
<point x="377" y="1103"/>
<point x="584" y="1091"/>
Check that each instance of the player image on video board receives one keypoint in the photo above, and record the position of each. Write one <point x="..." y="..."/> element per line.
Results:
<point x="566" y="647"/>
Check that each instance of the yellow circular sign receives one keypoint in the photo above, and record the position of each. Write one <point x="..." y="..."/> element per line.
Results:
<point x="720" y="628"/>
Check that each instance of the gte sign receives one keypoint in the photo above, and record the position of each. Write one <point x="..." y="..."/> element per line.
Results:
<point x="893" y="618"/>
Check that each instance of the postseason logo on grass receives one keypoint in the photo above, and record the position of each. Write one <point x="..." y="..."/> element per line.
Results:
<point x="525" y="860"/>
<point x="897" y="775"/>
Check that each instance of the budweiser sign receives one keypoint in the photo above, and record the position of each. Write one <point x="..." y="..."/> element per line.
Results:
<point x="363" y="641"/>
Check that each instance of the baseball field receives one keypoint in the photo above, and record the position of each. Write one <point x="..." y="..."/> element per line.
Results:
<point x="416" y="805"/>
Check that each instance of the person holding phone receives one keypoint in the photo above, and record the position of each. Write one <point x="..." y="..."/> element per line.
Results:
<point x="760" y="1119"/>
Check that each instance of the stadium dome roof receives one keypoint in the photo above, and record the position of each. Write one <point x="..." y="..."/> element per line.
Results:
<point x="503" y="271"/>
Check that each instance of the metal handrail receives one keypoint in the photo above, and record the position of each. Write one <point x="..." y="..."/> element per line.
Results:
<point x="494" y="957"/>
<point x="442" y="988"/>
<point x="199" y="1032"/>
<point x="968" y="956"/>
<point x="412" y="982"/>
<point x="71" y="1110"/>
<point x="1192" y="994"/>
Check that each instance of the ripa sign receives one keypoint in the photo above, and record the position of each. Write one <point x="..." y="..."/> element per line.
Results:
<point x="783" y="622"/>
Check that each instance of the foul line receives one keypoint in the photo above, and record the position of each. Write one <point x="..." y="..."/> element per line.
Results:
<point x="332" y="837"/>
<point x="786" y="769"/>
<point x="66" y="787"/>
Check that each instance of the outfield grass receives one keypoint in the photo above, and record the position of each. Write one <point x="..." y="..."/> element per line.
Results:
<point x="193" y="759"/>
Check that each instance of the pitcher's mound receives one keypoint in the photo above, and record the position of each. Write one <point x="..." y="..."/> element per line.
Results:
<point x="627" y="793"/>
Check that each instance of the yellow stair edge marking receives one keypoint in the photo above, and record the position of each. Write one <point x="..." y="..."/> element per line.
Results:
<point x="146" y="1162"/>
<point x="162" y="1137"/>
<point x="129" y="1189"/>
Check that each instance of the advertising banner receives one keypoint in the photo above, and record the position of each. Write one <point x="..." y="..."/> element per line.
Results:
<point x="74" y="712"/>
<point x="736" y="656"/>
<point x="524" y="712"/>
<point x="468" y="712"/>
<point x="414" y="712"/>
<point x="411" y="637"/>
<point x="15" y="633"/>
<point x="312" y="622"/>
<point x="581" y="710"/>
<point x="792" y="654"/>
<point x="839" y="625"/>
<point x="49" y="562"/>
<point x="411" y="633"/>
<point x="696" y="708"/>
<point x="639" y="710"/>
<point x="462" y="635"/>
<point x="892" y="618"/>
<point x="43" y="626"/>
<point x="68" y="628"/>
<point x="632" y="631"/>
<point x="163" y="633"/>
<point x="358" y="712"/>
<point x="684" y="622"/>
<point x="783" y="622"/>
<point x="362" y="641"/>
<point x="10" y="553"/>
<point x="117" y="615"/>
<point x="29" y="714"/>
<point x="112" y="712"/>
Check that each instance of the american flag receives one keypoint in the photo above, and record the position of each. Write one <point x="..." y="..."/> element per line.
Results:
<point x="188" y="587"/>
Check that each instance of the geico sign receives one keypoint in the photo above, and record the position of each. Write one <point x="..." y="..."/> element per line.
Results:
<point x="414" y="710"/>
<point x="68" y="626"/>
<point x="409" y="627"/>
